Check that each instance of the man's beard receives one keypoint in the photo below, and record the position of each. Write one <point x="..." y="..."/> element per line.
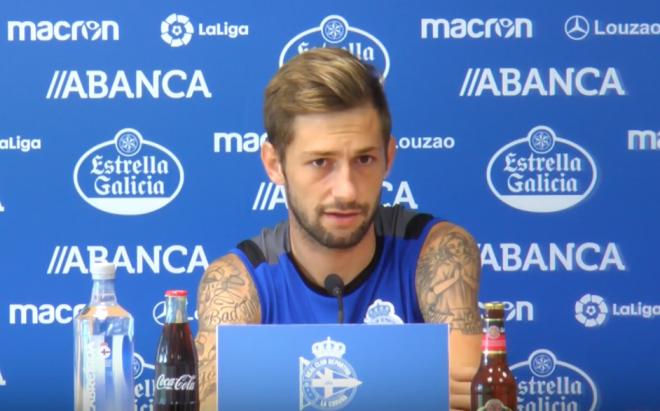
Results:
<point x="318" y="233"/>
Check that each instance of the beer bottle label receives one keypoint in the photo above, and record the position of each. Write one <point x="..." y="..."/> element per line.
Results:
<point x="493" y="339"/>
<point x="494" y="405"/>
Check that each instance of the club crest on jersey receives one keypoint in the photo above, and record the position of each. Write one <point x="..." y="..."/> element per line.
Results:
<point x="328" y="382"/>
<point x="382" y="312"/>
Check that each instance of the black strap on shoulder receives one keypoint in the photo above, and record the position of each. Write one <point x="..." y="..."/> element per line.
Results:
<point x="416" y="225"/>
<point x="252" y="252"/>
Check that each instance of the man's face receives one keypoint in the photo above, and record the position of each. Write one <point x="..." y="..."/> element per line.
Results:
<point x="334" y="169"/>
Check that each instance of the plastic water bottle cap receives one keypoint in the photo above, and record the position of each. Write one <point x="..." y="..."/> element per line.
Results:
<point x="103" y="271"/>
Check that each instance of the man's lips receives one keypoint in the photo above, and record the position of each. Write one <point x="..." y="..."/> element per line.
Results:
<point x="343" y="217"/>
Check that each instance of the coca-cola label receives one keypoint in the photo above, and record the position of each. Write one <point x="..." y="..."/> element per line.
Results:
<point x="184" y="382"/>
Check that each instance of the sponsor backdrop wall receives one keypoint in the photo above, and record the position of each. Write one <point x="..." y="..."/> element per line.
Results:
<point x="130" y="131"/>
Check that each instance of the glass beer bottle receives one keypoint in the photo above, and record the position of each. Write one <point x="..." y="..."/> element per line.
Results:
<point x="493" y="386"/>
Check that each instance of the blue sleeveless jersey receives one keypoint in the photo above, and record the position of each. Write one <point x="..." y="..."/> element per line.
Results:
<point x="384" y="293"/>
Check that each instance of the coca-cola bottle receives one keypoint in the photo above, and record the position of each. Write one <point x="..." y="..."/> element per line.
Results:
<point x="176" y="360"/>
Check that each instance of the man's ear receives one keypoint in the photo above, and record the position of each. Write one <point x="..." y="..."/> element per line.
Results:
<point x="391" y="152"/>
<point x="272" y="164"/>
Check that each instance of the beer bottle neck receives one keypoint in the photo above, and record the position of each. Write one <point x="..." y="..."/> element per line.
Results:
<point x="493" y="342"/>
<point x="103" y="292"/>
<point x="176" y="308"/>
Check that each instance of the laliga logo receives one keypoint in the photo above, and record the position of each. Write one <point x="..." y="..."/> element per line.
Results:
<point x="546" y="383"/>
<point x="541" y="173"/>
<point x="327" y="382"/>
<point x="113" y="178"/>
<point x="334" y="31"/>
<point x="591" y="310"/>
<point x="176" y="30"/>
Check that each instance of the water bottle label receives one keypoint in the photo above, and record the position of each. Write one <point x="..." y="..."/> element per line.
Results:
<point x="107" y="387"/>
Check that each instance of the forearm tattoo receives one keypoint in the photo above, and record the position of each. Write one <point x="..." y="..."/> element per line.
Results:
<point x="226" y="295"/>
<point x="447" y="280"/>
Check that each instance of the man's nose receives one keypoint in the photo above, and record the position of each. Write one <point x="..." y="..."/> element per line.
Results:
<point x="344" y="187"/>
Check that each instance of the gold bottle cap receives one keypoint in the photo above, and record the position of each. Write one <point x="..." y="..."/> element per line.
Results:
<point x="494" y="305"/>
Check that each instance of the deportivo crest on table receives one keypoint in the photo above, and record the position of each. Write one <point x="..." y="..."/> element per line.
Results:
<point x="327" y="382"/>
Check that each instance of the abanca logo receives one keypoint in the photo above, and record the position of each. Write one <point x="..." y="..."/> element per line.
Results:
<point x="113" y="178"/>
<point x="546" y="383"/>
<point x="334" y="31"/>
<point x="541" y="172"/>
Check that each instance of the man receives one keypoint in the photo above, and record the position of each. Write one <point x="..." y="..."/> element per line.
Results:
<point x="329" y="145"/>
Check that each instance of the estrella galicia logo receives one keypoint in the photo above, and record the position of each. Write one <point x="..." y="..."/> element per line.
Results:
<point x="128" y="175"/>
<point x="334" y="31"/>
<point x="546" y="383"/>
<point x="143" y="380"/>
<point x="382" y="312"/>
<point x="541" y="172"/>
<point x="591" y="310"/>
<point x="139" y="365"/>
<point x="328" y="382"/>
<point x="176" y="30"/>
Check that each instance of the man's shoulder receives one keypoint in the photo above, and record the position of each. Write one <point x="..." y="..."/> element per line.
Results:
<point x="448" y="237"/>
<point x="229" y="263"/>
<point x="399" y="222"/>
<point x="267" y="246"/>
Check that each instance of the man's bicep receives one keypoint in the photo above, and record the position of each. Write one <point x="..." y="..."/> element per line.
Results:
<point x="447" y="279"/>
<point x="226" y="295"/>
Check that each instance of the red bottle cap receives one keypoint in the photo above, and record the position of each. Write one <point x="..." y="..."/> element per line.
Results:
<point x="176" y="293"/>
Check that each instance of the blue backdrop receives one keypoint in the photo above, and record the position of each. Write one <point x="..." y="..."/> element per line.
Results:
<point x="130" y="131"/>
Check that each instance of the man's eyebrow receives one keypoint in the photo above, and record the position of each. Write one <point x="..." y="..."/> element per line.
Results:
<point x="327" y="153"/>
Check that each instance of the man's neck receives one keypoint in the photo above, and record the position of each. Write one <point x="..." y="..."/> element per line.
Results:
<point x="317" y="261"/>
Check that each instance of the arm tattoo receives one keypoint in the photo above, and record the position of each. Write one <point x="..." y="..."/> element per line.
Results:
<point x="226" y="295"/>
<point x="447" y="279"/>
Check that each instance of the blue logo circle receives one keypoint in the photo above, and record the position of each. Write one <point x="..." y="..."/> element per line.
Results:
<point x="128" y="142"/>
<point x="541" y="140"/>
<point x="542" y="363"/>
<point x="334" y="29"/>
<point x="138" y="365"/>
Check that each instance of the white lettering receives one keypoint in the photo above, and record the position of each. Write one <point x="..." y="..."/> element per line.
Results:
<point x="587" y="81"/>
<point x="553" y="257"/>
<point x="105" y="30"/>
<point x="475" y="28"/>
<point x="98" y="85"/>
<point x="44" y="314"/>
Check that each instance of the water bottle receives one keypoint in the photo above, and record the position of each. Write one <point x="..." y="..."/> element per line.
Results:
<point x="103" y="330"/>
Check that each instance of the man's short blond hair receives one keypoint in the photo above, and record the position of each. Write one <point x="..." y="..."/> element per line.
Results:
<point x="322" y="80"/>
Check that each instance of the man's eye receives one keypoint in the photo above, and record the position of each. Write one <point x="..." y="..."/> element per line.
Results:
<point x="319" y="162"/>
<point x="365" y="159"/>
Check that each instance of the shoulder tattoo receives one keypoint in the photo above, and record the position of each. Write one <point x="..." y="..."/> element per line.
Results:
<point x="447" y="279"/>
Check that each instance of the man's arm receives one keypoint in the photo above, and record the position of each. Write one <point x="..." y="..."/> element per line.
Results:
<point x="447" y="283"/>
<point x="226" y="295"/>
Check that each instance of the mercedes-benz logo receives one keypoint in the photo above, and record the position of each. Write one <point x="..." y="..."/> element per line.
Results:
<point x="576" y="27"/>
<point x="159" y="313"/>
